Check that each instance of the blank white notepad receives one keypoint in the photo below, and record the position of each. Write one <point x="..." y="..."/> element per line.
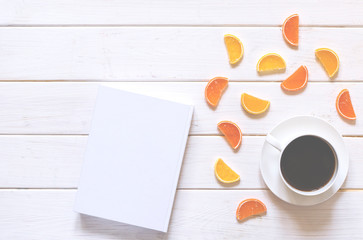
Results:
<point x="133" y="158"/>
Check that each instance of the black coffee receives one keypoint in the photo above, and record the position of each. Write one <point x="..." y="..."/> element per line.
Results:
<point x="308" y="163"/>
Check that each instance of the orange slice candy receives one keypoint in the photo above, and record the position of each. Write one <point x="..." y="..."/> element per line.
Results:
<point x="329" y="59"/>
<point x="214" y="89"/>
<point x="250" y="207"/>
<point x="231" y="132"/>
<point x="224" y="173"/>
<point x="297" y="80"/>
<point x="290" y="30"/>
<point x="271" y="62"/>
<point x="234" y="48"/>
<point x="253" y="104"/>
<point x="344" y="105"/>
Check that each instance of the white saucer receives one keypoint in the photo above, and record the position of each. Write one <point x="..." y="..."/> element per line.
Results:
<point x="285" y="132"/>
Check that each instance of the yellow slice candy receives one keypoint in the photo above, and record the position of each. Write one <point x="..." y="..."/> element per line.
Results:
<point x="224" y="173"/>
<point x="329" y="59"/>
<point x="253" y="104"/>
<point x="271" y="62"/>
<point x="234" y="48"/>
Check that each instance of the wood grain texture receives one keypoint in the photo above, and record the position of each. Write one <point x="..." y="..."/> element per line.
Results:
<point x="189" y="12"/>
<point x="205" y="214"/>
<point x="66" y="108"/>
<point x="167" y="53"/>
<point x="55" y="162"/>
<point x="168" y="49"/>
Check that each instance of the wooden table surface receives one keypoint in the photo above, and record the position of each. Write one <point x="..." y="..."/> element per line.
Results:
<point x="55" y="54"/>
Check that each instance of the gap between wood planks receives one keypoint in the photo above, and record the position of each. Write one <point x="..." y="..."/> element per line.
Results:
<point x="190" y="135"/>
<point x="171" y="25"/>
<point x="179" y="189"/>
<point x="168" y="81"/>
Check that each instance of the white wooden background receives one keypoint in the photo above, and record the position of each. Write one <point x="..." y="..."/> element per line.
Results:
<point x="54" y="54"/>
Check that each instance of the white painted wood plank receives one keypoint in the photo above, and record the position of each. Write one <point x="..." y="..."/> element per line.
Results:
<point x="197" y="215"/>
<point x="55" y="162"/>
<point x="167" y="53"/>
<point x="202" y="152"/>
<point x="41" y="161"/>
<point x="66" y="108"/>
<point x="188" y="12"/>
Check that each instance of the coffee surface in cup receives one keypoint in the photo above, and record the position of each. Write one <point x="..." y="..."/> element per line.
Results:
<point x="308" y="163"/>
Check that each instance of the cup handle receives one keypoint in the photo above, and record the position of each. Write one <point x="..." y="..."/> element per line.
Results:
<point x="274" y="142"/>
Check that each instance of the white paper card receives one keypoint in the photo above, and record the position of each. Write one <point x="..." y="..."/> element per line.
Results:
<point x="133" y="158"/>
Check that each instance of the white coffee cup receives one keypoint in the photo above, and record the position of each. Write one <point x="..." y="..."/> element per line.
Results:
<point x="281" y="146"/>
